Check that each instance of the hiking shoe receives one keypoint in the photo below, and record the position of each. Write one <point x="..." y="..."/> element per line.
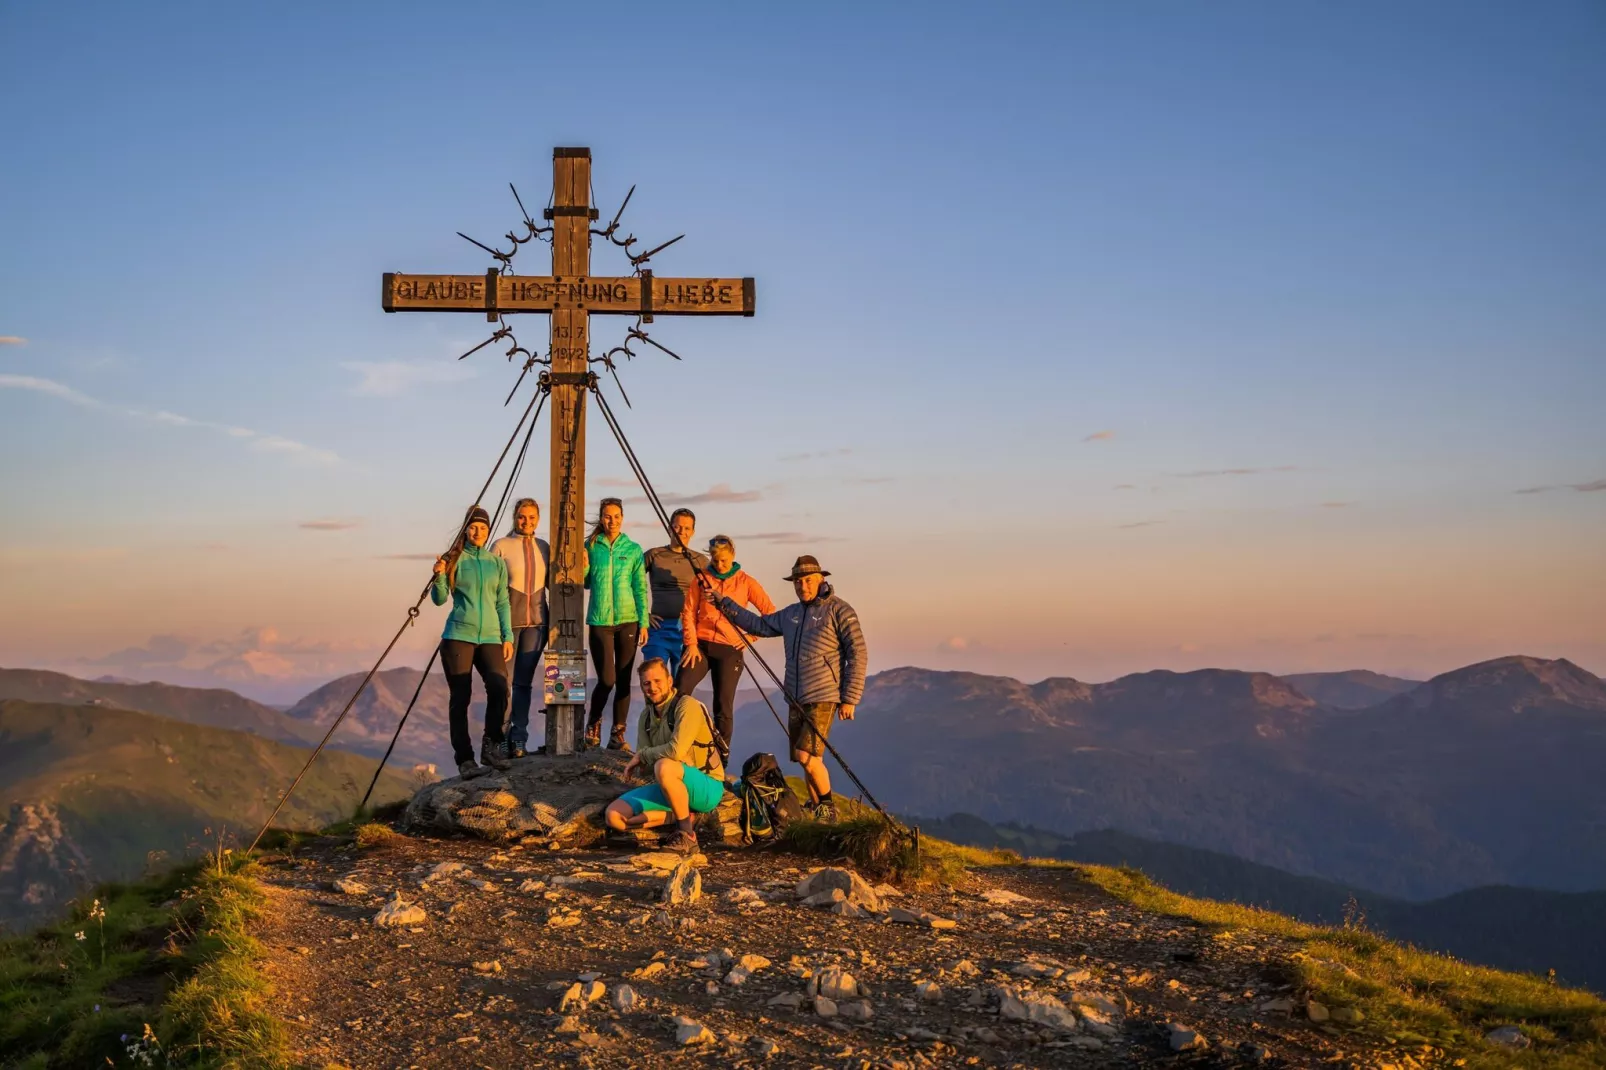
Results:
<point x="491" y="755"/>
<point x="594" y="735"/>
<point x="468" y="770"/>
<point x="823" y="812"/>
<point x="681" y="843"/>
<point x="515" y="751"/>
<point x="617" y="742"/>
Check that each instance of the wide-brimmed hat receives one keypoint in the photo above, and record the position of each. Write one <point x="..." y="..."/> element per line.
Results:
<point x="806" y="566"/>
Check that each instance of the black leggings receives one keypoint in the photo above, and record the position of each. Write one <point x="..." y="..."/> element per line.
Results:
<point x="458" y="660"/>
<point x="726" y="663"/>
<point x="613" y="652"/>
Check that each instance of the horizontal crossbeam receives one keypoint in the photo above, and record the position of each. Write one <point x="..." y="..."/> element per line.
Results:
<point x="646" y="295"/>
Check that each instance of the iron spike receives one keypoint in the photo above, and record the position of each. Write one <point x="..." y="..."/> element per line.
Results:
<point x="647" y="255"/>
<point x="522" y="209"/>
<point x="665" y="348"/>
<point x="614" y="222"/>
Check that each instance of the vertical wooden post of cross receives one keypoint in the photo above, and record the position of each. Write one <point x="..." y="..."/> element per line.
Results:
<point x="571" y="258"/>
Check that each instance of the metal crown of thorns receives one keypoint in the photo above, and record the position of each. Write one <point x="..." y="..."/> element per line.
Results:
<point x="532" y="230"/>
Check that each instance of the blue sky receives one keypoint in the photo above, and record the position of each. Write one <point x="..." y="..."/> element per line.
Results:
<point x="1327" y="280"/>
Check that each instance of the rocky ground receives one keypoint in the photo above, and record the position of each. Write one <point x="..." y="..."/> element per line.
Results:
<point x="524" y="955"/>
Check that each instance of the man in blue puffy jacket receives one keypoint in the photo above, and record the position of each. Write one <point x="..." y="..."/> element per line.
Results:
<point x="825" y="666"/>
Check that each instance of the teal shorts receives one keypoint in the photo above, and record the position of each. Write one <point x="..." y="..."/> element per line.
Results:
<point x="703" y="793"/>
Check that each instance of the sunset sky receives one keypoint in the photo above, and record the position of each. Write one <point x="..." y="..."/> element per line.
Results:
<point x="1091" y="338"/>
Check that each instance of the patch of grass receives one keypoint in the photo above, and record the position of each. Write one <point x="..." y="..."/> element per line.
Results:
<point x="863" y="839"/>
<point x="162" y="967"/>
<point x="1409" y="997"/>
<point x="70" y="990"/>
<point x="868" y="844"/>
<point x="373" y="834"/>
<point x="941" y="862"/>
<point x="219" y="1017"/>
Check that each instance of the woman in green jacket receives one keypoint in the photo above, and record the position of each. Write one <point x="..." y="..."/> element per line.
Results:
<point x="478" y="635"/>
<point x="616" y="579"/>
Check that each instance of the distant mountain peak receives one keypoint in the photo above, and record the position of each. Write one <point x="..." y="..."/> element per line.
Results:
<point x="1223" y="684"/>
<point x="1517" y="682"/>
<point x="1350" y="689"/>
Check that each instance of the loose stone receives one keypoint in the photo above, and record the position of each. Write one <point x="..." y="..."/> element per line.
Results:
<point x="683" y="887"/>
<point x="397" y="913"/>
<point x="1185" y="1039"/>
<point x="689" y="1032"/>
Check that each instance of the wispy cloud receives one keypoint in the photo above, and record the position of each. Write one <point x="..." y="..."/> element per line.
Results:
<point x="1337" y="505"/>
<point x="329" y="525"/>
<point x="1582" y="488"/>
<point x="387" y="378"/>
<point x="12" y="340"/>
<point x="873" y="480"/>
<point x="786" y="538"/>
<point x="1206" y="473"/>
<point x="1141" y="524"/>
<point x="1099" y="436"/>
<point x="845" y="451"/>
<point x="719" y="493"/>
<point x="257" y="440"/>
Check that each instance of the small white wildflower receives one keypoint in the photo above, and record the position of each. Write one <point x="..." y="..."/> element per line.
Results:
<point x="79" y="935"/>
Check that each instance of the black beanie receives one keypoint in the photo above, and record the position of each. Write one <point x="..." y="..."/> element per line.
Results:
<point x="478" y="514"/>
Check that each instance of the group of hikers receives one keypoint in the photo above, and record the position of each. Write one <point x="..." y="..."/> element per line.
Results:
<point x="689" y="614"/>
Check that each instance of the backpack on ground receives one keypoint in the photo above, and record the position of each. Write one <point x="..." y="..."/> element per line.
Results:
<point x="768" y="803"/>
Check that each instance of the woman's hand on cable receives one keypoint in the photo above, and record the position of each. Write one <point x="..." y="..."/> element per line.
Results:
<point x="692" y="656"/>
<point x="507" y="653"/>
<point x="440" y="565"/>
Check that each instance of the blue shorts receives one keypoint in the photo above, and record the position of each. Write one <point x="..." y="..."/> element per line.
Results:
<point x="703" y="793"/>
<point x="666" y="641"/>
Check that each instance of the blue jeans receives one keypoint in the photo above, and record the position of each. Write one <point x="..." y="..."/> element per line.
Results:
<point x="665" y="641"/>
<point x="528" y="644"/>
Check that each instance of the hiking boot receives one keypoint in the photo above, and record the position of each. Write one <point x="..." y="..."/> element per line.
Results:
<point x="594" y="735"/>
<point x="515" y="751"/>
<point x="491" y="755"/>
<point x="617" y="742"/>
<point x="681" y="843"/>
<point x="468" y="770"/>
<point x="823" y="812"/>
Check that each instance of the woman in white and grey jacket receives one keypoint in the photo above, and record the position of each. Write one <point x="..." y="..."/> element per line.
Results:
<point x="528" y="565"/>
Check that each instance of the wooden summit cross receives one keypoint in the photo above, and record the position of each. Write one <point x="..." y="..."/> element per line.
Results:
<point x="569" y="295"/>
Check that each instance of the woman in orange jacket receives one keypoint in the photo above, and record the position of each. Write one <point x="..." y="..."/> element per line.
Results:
<point x="721" y="644"/>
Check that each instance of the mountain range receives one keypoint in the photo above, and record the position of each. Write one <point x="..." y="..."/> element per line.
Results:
<point x="1490" y="774"/>
<point x="213" y="706"/>
<point x="1487" y="775"/>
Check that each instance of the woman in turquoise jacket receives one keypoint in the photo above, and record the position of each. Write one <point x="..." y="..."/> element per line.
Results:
<point x="616" y="579"/>
<point x="478" y="635"/>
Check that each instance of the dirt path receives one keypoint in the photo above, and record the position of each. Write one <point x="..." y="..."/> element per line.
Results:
<point x="360" y="996"/>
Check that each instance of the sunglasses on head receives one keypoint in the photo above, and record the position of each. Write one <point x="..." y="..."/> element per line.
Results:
<point x="612" y="501"/>
<point x="718" y="540"/>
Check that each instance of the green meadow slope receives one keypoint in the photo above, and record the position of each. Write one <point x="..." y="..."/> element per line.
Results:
<point x="97" y="793"/>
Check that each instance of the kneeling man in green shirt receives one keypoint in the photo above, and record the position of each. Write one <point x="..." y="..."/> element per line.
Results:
<point x="675" y="740"/>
